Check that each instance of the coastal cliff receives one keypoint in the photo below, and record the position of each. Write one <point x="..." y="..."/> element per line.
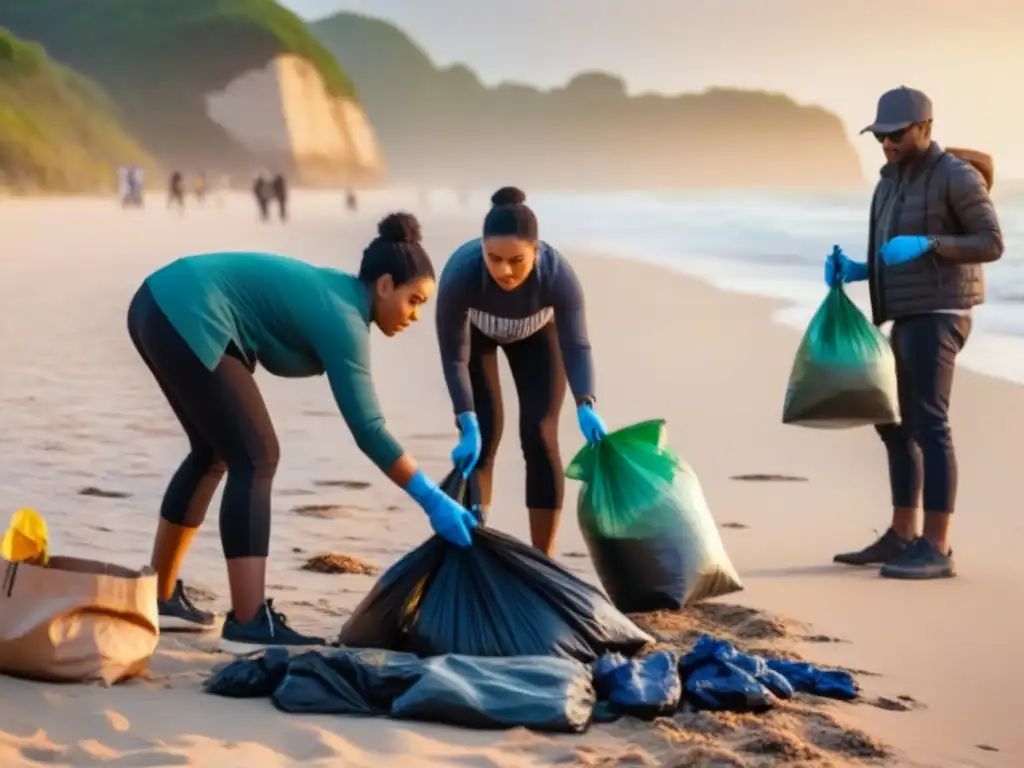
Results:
<point x="285" y="115"/>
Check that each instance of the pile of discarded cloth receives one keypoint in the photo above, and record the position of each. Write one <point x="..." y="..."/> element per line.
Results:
<point x="542" y="693"/>
<point x="713" y="676"/>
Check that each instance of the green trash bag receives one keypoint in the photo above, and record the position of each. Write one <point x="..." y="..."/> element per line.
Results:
<point x="844" y="374"/>
<point x="646" y="523"/>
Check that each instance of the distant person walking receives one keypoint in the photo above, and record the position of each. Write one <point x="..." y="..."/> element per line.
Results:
<point x="176" y="192"/>
<point x="136" y="181"/>
<point x="351" y="203"/>
<point x="932" y="226"/>
<point x="262" y="192"/>
<point x="512" y="291"/>
<point x="129" y="186"/>
<point x="279" y="189"/>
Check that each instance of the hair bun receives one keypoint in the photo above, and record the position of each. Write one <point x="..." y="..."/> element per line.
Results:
<point x="508" y="196"/>
<point x="399" y="228"/>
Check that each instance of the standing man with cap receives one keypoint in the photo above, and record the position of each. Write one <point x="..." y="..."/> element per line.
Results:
<point x="932" y="227"/>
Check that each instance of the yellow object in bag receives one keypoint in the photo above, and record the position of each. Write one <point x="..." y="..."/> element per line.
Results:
<point x="26" y="541"/>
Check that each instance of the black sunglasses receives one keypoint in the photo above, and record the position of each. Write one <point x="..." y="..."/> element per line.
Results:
<point x="894" y="136"/>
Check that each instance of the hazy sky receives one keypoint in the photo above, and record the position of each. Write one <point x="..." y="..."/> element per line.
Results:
<point x="968" y="55"/>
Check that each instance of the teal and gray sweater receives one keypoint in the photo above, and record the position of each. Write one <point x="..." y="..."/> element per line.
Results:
<point x="293" y="318"/>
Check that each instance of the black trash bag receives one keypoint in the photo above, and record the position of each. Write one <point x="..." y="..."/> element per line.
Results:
<point x="500" y="597"/>
<point x="379" y="676"/>
<point x="312" y="687"/>
<point x="250" y="677"/>
<point x="536" y="692"/>
<point x="644" y="688"/>
<point x="352" y="681"/>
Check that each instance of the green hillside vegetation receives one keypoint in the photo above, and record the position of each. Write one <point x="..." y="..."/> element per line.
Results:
<point x="58" y="132"/>
<point x="442" y="125"/>
<point x="158" y="60"/>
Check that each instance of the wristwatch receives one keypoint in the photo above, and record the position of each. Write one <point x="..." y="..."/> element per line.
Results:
<point x="933" y="245"/>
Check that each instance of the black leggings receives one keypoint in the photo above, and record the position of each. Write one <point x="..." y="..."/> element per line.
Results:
<point x="228" y="428"/>
<point x="536" y="364"/>
<point x="920" y="448"/>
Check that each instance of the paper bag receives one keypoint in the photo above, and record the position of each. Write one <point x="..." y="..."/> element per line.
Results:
<point x="76" y="620"/>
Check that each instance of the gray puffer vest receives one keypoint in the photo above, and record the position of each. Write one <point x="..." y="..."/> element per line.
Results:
<point x="947" y="198"/>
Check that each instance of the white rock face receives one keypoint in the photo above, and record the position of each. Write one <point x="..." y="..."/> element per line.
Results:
<point x="285" y="111"/>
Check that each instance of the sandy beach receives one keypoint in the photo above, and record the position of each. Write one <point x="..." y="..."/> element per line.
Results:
<point x="78" y="410"/>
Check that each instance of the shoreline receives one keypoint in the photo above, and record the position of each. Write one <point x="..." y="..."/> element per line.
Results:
<point x="712" y="362"/>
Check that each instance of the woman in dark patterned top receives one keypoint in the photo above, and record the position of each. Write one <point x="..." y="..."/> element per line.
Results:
<point x="511" y="290"/>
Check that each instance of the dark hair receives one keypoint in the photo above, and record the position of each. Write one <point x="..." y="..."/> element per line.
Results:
<point x="396" y="251"/>
<point x="510" y="216"/>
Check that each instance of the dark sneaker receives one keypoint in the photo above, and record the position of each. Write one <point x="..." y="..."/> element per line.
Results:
<point x="887" y="547"/>
<point x="269" y="629"/>
<point x="181" y="614"/>
<point x="920" y="561"/>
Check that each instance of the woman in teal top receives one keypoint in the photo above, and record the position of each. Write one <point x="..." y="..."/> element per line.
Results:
<point x="202" y="324"/>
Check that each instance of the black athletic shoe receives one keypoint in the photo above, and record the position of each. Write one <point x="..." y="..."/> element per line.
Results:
<point x="921" y="560"/>
<point x="269" y="629"/>
<point x="889" y="546"/>
<point x="180" y="613"/>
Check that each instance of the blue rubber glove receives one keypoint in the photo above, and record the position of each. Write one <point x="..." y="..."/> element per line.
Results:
<point x="904" y="248"/>
<point x="840" y="268"/>
<point x="448" y="518"/>
<point x="591" y="426"/>
<point x="466" y="454"/>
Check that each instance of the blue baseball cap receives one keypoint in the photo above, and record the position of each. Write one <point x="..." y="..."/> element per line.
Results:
<point x="900" y="108"/>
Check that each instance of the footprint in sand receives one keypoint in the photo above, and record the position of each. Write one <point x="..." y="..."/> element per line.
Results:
<point x="899" y="704"/>
<point x="352" y="485"/>
<point x="323" y="511"/>
<point x="823" y="639"/>
<point x="100" y="493"/>
<point x="769" y="478"/>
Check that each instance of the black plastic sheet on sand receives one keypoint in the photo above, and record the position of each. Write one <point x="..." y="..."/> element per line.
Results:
<point x="500" y="597"/>
<point x="540" y="693"/>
